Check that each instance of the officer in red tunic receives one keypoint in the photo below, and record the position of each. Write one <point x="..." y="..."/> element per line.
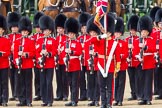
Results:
<point x="46" y="49"/>
<point x="91" y="52"/>
<point x="24" y="51"/>
<point x="12" y="22"/>
<point x="145" y="49"/>
<point x="132" y="62"/>
<point x="108" y="56"/>
<point x="38" y="34"/>
<point x="5" y="48"/>
<point x="120" y="76"/>
<point x="72" y="50"/>
<point x="61" y="76"/>
<point x="83" y="18"/>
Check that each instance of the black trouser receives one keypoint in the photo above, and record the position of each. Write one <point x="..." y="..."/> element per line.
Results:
<point x="120" y="86"/>
<point x="25" y="86"/>
<point x="159" y="79"/>
<point x="156" y="80"/>
<point x="93" y="86"/>
<point x="62" y="90"/>
<point x="13" y="81"/>
<point x="73" y="79"/>
<point x="132" y="79"/>
<point x="106" y="88"/>
<point x="82" y="81"/>
<point x="147" y="84"/>
<point x="139" y="86"/>
<point x="46" y="78"/>
<point x="4" y="85"/>
<point x="37" y="81"/>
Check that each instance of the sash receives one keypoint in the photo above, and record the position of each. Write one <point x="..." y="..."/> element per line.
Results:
<point x="105" y="74"/>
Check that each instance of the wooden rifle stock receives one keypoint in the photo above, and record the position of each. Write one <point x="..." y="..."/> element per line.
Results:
<point x="67" y="57"/>
<point x="42" y="58"/>
<point x="91" y="61"/>
<point x="20" y="60"/>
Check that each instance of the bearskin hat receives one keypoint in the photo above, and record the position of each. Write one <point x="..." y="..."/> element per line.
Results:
<point x="83" y="18"/>
<point x="13" y="19"/>
<point x="111" y="22"/>
<point x="119" y="26"/>
<point x="132" y="22"/>
<point x="145" y="23"/>
<point x="158" y="16"/>
<point x="25" y="24"/>
<point x="60" y="20"/>
<point x="3" y="23"/>
<point x="36" y="19"/>
<point x="72" y="25"/>
<point x="91" y="26"/>
<point x="46" y="22"/>
<point x="153" y="12"/>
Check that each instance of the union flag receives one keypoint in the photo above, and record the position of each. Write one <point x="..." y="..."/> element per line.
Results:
<point x="101" y="10"/>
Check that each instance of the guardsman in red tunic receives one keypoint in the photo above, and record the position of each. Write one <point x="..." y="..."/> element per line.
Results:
<point x="72" y="50"/>
<point x="46" y="49"/>
<point x="5" y="48"/>
<point x="38" y="34"/>
<point x="62" y="91"/>
<point x="120" y="76"/>
<point x="91" y="52"/>
<point x="108" y="56"/>
<point x="155" y="34"/>
<point x="145" y="48"/>
<point x="24" y="51"/>
<point x="12" y="22"/>
<point x="132" y="61"/>
<point x="158" y="69"/>
<point x="83" y="18"/>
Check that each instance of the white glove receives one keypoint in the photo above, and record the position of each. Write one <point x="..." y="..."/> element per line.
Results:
<point x="103" y="36"/>
<point x="138" y="57"/>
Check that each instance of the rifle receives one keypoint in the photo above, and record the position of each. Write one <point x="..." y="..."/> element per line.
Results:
<point x="91" y="61"/>
<point x="11" y="60"/>
<point x="157" y="57"/>
<point x="57" y="61"/>
<point x="42" y="58"/>
<point x="20" y="60"/>
<point x="67" y="57"/>
<point x="130" y="51"/>
<point x="82" y="56"/>
<point x="141" y="48"/>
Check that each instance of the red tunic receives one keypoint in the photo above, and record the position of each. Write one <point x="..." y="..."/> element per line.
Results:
<point x="51" y="47"/>
<point x="84" y="38"/>
<point x="28" y="47"/>
<point x="116" y="54"/>
<point x="5" y="48"/>
<point x="134" y="61"/>
<point x="76" y="48"/>
<point x="59" y="40"/>
<point x="148" y="56"/>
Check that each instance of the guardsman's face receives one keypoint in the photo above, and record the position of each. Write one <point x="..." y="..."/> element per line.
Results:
<point x="71" y="35"/>
<point x="1" y="31"/>
<point x="133" y="32"/>
<point x="47" y="32"/>
<point x="117" y="34"/>
<point x="14" y="29"/>
<point x="144" y="33"/>
<point x="83" y="29"/>
<point x="160" y="24"/>
<point x="37" y="30"/>
<point x="93" y="33"/>
<point x="60" y="30"/>
<point x="24" y="32"/>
